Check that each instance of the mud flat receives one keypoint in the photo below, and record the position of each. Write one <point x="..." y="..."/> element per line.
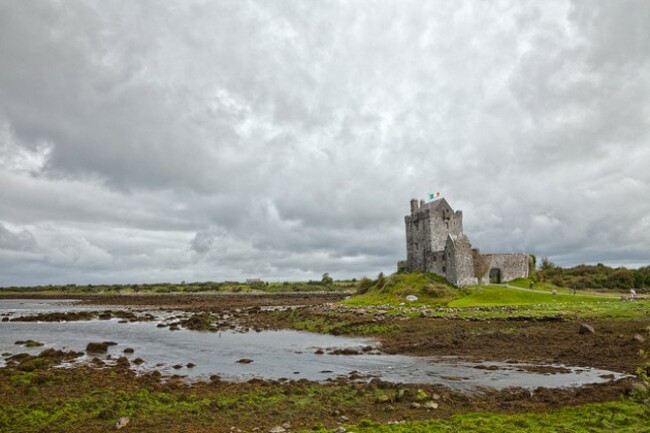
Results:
<point x="362" y="365"/>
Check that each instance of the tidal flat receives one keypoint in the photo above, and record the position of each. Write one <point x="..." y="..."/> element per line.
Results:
<point x="311" y="364"/>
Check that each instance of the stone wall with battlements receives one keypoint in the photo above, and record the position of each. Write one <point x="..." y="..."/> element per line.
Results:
<point x="427" y="228"/>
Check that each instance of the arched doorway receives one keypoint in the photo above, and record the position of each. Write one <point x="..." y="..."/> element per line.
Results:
<point x="495" y="276"/>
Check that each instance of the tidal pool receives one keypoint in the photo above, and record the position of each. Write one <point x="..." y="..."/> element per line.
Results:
<point x="276" y="354"/>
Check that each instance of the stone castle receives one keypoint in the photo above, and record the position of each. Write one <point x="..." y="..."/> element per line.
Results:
<point x="435" y="243"/>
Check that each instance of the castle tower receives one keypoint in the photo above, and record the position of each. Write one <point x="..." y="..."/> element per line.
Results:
<point x="427" y="229"/>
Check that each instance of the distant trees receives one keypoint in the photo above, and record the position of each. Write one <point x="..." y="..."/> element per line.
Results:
<point x="594" y="276"/>
<point x="326" y="279"/>
<point x="546" y="264"/>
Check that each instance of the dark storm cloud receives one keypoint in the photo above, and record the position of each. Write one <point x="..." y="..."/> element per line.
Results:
<point x="147" y="141"/>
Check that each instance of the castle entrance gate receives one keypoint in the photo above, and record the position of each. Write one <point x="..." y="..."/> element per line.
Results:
<point x="495" y="276"/>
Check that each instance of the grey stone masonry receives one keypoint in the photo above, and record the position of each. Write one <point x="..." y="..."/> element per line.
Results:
<point x="435" y="243"/>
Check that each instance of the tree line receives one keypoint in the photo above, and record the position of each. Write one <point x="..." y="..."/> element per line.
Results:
<point x="597" y="276"/>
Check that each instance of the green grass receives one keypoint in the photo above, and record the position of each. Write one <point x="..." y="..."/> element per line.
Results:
<point x="430" y="289"/>
<point x="492" y="301"/>
<point x="486" y="296"/>
<point x="620" y="417"/>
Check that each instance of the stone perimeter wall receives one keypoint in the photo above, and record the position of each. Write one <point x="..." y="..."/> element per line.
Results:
<point x="512" y="266"/>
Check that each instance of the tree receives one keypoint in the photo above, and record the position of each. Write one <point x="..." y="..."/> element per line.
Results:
<point x="547" y="265"/>
<point x="326" y="279"/>
<point x="621" y="279"/>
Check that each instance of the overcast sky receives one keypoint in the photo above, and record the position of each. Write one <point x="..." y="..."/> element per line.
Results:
<point x="145" y="141"/>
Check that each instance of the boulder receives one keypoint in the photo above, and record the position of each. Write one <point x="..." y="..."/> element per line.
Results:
<point x="421" y="395"/>
<point x="638" y="338"/>
<point x="382" y="398"/>
<point x="430" y="405"/>
<point x="122" y="422"/>
<point x="97" y="347"/>
<point x="586" y="329"/>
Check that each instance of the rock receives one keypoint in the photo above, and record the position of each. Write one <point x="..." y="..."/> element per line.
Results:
<point x="244" y="361"/>
<point x="415" y="405"/>
<point x="190" y="365"/>
<point x="382" y="398"/>
<point x="412" y="298"/>
<point x="122" y="361"/>
<point x="430" y="405"/>
<point x="421" y="395"/>
<point x="340" y="430"/>
<point x="586" y="329"/>
<point x="122" y="422"/>
<point x="138" y="361"/>
<point x="177" y="367"/>
<point x="97" y="348"/>
<point x="278" y="429"/>
<point x="435" y="396"/>
<point x="129" y="350"/>
<point x="638" y="338"/>
<point x="286" y="425"/>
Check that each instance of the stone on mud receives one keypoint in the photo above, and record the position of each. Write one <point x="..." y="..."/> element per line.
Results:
<point x="586" y="329"/>
<point x="430" y="405"/>
<point x="122" y="422"/>
<point x="95" y="347"/>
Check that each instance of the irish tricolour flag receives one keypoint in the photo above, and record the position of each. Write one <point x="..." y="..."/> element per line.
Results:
<point x="433" y="195"/>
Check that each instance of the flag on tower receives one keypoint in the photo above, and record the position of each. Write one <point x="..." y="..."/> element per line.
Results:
<point x="433" y="195"/>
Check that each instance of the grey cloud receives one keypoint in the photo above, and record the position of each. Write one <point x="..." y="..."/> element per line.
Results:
<point x="217" y="140"/>
<point x="22" y="240"/>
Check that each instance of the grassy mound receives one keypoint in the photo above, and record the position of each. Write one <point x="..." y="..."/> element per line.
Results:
<point x="427" y="287"/>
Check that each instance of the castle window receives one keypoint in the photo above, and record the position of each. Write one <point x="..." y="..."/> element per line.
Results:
<point x="444" y="269"/>
<point x="447" y="222"/>
<point x="434" y="258"/>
